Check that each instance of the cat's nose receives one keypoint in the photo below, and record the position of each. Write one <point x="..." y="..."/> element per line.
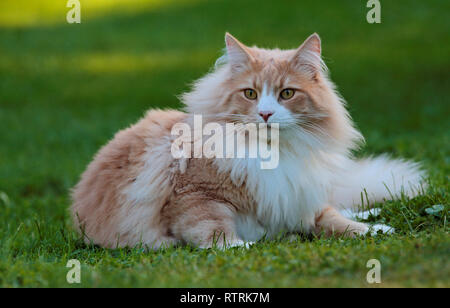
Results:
<point x="265" y="115"/>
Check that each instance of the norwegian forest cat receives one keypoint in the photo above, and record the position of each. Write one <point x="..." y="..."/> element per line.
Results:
<point x="136" y="192"/>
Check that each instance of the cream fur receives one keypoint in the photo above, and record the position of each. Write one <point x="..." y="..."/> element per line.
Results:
<point x="135" y="192"/>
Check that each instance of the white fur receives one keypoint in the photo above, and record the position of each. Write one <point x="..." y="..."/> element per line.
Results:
<point x="289" y="196"/>
<point x="314" y="171"/>
<point x="351" y="214"/>
<point x="362" y="215"/>
<point x="239" y="243"/>
<point x="150" y="187"/>
<point x="269" y="103"/>
<point x="373" y="229"/>
<point x="306" y="181"/>
<point x="382" y="178"/>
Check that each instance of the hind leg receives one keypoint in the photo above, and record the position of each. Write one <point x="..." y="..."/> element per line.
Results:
<point x="203" y="223"/>
<point x="331" y="221"/>
<point x="350" y="214"/>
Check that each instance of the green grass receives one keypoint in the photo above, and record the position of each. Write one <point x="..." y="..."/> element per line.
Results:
<point x="66" y="89"/>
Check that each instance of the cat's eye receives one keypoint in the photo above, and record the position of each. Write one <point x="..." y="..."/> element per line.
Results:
<point x="287" y="93"/>
<point x="250" y="94"/>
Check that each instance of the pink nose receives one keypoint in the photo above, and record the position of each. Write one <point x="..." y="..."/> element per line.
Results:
<point x="265" y="115"/>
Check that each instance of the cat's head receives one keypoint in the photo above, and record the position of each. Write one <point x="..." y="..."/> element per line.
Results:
<point x="288" y="87"/>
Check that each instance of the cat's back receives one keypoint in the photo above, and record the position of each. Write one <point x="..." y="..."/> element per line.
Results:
<point x="119" y="178"/>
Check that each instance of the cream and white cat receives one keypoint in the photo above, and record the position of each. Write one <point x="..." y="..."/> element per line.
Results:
<point x="136" y="192"/>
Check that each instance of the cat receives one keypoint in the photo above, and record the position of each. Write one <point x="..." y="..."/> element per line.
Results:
<point x="135" y="192"/>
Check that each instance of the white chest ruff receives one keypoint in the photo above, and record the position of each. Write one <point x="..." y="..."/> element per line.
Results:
<point x="288" y="197"/>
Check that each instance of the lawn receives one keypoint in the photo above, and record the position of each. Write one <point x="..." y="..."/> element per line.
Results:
<point x="65" y="89"/>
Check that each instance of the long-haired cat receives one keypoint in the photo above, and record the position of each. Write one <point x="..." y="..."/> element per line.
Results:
<point x="136" y="192"/>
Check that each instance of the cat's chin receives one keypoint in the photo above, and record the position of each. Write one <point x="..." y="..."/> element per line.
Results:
<point x="274" y="125"/>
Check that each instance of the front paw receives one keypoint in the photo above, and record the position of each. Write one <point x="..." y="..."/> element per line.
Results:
<point x="240" y="243"/>
<point x="378" y="229"/>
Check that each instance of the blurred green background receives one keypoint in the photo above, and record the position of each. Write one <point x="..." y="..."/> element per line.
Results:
<point x="65" y="89"/>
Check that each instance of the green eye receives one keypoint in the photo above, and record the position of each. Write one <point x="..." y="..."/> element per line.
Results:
<point x="287" y="93"/>
<point x="250" y="94"/>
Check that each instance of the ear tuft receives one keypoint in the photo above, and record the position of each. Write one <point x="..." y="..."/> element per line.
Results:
<point x="308" y="56"/>
<point x="229" y="40"/>
<point x="313" y="43"/>
<point x="237" y="53"/>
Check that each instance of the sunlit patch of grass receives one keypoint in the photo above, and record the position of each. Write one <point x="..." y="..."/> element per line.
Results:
<point x="122" y="63"/>
<point x="26" y="13"/>
<point x="108" y="62"/>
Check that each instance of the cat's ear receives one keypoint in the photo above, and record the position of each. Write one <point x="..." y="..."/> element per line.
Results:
<point x="238" y="54"/>
<point x="307" y="57"/>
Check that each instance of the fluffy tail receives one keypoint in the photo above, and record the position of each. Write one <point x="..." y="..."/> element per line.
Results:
<point x="378" y="179"/>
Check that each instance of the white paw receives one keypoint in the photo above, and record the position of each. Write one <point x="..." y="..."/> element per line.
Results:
<point x="349" y="213"/>
<point x="364" y="215"/>
<point x="240" y="243"/>
<point x="228" y="245"/>
<point x="374" y="229"/>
